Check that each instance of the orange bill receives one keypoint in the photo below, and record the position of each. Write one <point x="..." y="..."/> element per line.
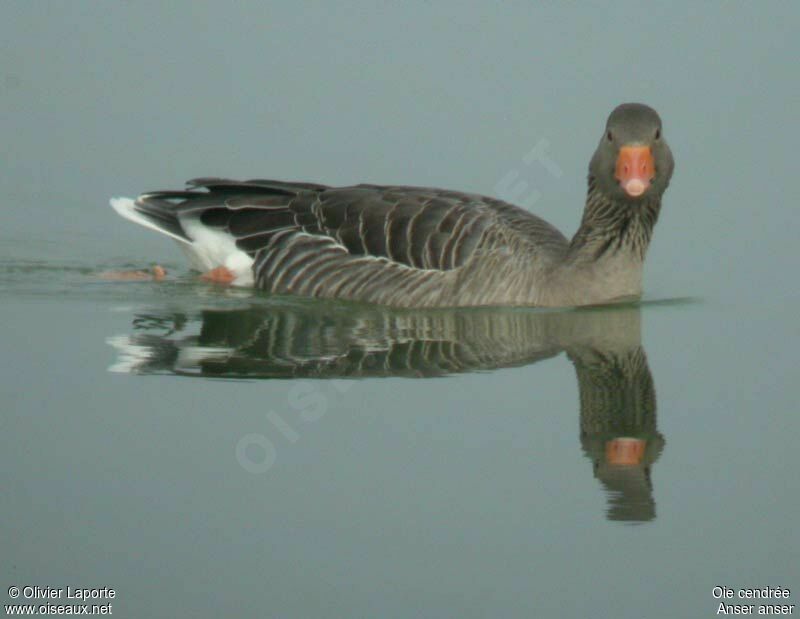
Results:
<point x="635" y="169"/>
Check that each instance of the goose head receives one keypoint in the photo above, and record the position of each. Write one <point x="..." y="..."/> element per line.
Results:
<point x="633" y="161"/>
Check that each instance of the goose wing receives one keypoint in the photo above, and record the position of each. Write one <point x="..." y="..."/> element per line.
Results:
<point x="365" y="242"/>
<point x="418" y="227"/>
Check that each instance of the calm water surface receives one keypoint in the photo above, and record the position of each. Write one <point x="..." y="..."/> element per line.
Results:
<point x="210" y="448"/>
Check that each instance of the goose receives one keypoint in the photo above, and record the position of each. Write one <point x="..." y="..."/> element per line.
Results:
<point x="419" y="247"/>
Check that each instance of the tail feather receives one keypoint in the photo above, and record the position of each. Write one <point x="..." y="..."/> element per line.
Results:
<point x="158" y="215"/>
<point x="206" y="247"/>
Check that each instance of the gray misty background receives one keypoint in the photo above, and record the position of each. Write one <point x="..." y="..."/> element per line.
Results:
<point x="464" y="496"/>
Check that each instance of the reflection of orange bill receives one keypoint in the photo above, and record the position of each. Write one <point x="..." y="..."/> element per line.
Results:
<point x="625" y="451"/>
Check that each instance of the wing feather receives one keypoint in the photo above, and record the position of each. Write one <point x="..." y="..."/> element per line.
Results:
<point x="313" y="239"/>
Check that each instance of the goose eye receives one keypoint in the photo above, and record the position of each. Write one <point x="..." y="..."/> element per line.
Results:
<point x="658" y="134"/>
<point x="609" y="137"/>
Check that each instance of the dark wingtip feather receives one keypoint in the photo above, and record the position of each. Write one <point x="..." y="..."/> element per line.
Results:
<point x="258" y="185"/>
<point x="162" y="214"/>
<point x="206" y="181"/>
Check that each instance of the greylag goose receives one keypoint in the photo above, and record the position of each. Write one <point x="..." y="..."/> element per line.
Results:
<point x="423" y="247"/>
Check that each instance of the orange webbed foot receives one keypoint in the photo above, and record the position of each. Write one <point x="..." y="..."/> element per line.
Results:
<point x="220" y="275"/>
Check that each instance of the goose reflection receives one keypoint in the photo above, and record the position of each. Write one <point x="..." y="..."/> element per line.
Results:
<point x="618" y="430"/>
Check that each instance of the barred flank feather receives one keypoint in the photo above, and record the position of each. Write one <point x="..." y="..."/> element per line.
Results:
<point x="389" y="245"/>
